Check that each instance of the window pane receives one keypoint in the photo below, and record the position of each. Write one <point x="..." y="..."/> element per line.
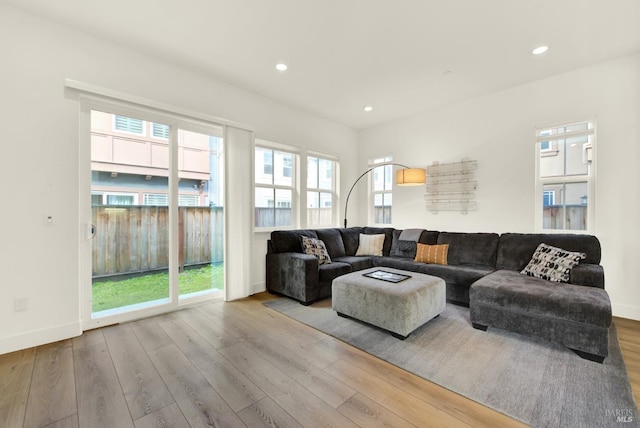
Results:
<point x="313" y="200"/>
<point x="577" y="163"/>
<point x="565" y="206"/>
<point x="264" y="166"/>
<point x="265" y="214"/>
<point x="326" y="200"/>
<point x="160" y="131"/>
<point x="283" y="163"/>
<point x="325" y="174"/>
<point x="129" y="124"/>
<point x="120" y="199"/>
<point x="388" y="172"/>
<point x="552" y="160"/>
<point x="378" y="179"/>
<point x="283" y="208"/>
<point x="312" y="173"/>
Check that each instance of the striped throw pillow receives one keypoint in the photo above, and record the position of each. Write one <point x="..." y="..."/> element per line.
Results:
<point x="370" y="245"/>
<point x="435" y="254"/>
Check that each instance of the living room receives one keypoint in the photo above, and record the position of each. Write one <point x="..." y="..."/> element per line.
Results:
<point x="496" y="128"/>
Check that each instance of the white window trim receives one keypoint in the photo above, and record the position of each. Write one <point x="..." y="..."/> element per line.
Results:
<point x="295" y="187"/>
<point x="588" y="178"/>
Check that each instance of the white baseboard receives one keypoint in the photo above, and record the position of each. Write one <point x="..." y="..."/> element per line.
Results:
<point x="258" y="288"/>
<point x="626" y="311"/>
<point x="40" y="337"/>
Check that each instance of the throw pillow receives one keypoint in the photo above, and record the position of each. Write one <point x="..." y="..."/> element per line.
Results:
<point x="315" y="247"/>
<point x="552" y="263"/>
<point x="434" y="254"/>
<point x="370" y="245"/>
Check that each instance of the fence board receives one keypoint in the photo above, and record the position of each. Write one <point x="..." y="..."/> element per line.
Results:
<point x="135" y="238"/>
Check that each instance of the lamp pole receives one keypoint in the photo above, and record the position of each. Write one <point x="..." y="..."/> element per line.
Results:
<point x="346" y="204"/>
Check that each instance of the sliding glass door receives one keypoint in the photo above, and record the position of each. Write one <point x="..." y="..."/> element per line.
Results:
<point x="155" y="225"/>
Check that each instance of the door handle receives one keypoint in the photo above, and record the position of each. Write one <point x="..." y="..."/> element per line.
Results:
<point x="91" y="231"/>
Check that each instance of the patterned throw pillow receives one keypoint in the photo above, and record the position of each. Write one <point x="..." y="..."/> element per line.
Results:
<point x="551" y="263"/>
<point x="370" y="245"/>
<point x="315" y="247"/>
<point x="434" y="254"/>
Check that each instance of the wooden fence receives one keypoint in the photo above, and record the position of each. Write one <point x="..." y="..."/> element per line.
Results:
<point x="135" y="238"/>
<point x="575" y="218"/>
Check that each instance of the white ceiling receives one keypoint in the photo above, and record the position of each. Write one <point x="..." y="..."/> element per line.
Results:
<point x="400" y="56"/>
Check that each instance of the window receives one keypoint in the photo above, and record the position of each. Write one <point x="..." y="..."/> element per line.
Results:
<point x="268" y="162"/>
<point x="548" y="198"/>
<point x="381" y="191"/>
<point x="564" y="173"/>
<point x="159" y="130"/>
<point x="274" y="187"/>
<point x="320" y="191"/>
<point x="113" y="198"/>
<point x="128" y="124"/>
<point x="162" y="200"/>
<point x="287" y="164"/>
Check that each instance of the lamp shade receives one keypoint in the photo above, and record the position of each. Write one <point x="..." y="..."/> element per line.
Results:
<point x="411" y="177"/>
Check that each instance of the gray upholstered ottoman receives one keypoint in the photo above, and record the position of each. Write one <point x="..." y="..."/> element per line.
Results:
<point x="397" y="307"/>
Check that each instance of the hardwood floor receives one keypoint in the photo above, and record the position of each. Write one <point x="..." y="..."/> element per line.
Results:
<point x="229" y="365"/>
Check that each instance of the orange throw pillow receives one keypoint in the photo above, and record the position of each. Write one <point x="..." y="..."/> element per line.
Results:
<point x="436" y="254"/>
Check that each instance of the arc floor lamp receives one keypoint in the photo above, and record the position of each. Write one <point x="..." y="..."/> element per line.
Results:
<point x="404" y="177"/>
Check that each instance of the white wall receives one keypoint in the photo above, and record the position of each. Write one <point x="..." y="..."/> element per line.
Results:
<point x="497" y="130"/>
<point x="39" y="158"/>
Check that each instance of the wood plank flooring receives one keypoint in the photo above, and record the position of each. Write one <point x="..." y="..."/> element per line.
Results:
<point x="231" y="365"/>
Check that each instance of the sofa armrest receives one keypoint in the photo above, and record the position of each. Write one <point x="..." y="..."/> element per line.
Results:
<point x="293" y="274"/>
<point x="588" y="274"/>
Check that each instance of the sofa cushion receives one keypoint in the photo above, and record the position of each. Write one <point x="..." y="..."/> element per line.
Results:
<point x="429" y="237"/>
<point x="402" y="248"/>
<point x="397" y="263"/>
<point x="315" y="247"/>
<point x="552" y="263"/>
<point x="471" y="248"/>
<point x="333" y="241"/>
<point x="357" y="263"/>
<point x="370" y="245"/>
<point x="388" y="237"/>
<point x="288" y="241"/>
<point x="432" y="253"/>
<point x="350" y="239"/>
<point x="456" y="275"/>
<point x="538" y="297"/>
<point x="328" y="272"/>
<point x="516" y="249"/>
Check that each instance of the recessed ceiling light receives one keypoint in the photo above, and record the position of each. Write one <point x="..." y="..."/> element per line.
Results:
<point x="281" y="66"/>
<point x="368" y="109"/>
<point x="540" y="50"/>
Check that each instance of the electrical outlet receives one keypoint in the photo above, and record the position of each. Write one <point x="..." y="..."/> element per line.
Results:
<point x="21" y="304"/>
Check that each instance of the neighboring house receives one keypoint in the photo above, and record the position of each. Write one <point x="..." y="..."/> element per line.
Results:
<point x="130" y="163"/>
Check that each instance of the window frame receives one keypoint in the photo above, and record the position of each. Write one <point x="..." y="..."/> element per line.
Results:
<point x="319" y="190"/>
<point x="294" y="188"/>
<point x="589" y="177"/>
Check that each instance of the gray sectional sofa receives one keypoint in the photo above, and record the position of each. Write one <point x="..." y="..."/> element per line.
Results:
<point x="483" y="272"/>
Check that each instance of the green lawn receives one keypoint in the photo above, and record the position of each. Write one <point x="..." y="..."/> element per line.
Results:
<point x="113" y="294"/>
